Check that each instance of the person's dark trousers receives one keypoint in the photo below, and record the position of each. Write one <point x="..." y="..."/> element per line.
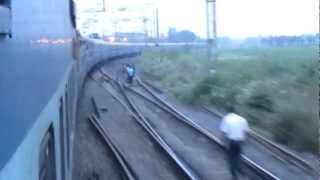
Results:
<point x="130" y="79"/>
<point x="234" y="157"/>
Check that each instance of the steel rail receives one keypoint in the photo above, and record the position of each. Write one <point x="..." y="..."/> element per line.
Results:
<point x="275" y="148"/>
<point x="279" y="152"/>
<point x="263" y="173"/>
<point x="250" y="163"/>
<point x="129" y="173"/>
<point x="183" y="167"/>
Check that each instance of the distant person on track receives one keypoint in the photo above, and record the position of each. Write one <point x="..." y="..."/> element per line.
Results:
<point x="234" y="128"/>
<point x="131" y="71"/>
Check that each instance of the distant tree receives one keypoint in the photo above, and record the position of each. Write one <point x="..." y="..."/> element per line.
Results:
<point x="181" y="36"/>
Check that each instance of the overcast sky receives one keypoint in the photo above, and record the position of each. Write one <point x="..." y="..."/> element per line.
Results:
<point x="235" y="18"/>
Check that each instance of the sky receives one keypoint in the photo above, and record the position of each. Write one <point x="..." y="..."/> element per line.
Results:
<point x="235" y="18"/>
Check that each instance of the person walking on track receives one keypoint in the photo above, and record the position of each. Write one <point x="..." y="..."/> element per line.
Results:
<point x="131" y="71"/>
<point x="234" y="128"/>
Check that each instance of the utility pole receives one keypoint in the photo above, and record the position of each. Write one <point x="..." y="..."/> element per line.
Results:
<point x="115" y="26"/>
<point x="103" y="6"/>
<point x="157" y="27"/>
<point x="211" y="27"/>
<point x="211" y="22"/>
<point x="145" y="28"/>
<point x="214" y="14"/>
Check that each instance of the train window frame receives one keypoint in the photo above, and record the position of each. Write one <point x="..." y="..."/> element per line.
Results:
<point x="5" y="3"/>
<point x="47" y="156"/>
<point x="68" y="125"/>
<point x="72" y="11"/>
<point x="5" y="18"/>
<point x="62" y="136"/>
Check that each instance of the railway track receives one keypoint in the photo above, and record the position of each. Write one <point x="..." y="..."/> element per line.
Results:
<point x="275" y="148"/>
<point x="148" y="155"/>
<point x="289" y="165"/>
<point x="200" y="149"/>
<point x="125" y="167"/>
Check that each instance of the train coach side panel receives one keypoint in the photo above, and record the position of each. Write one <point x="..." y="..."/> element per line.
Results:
<point x="24" y="163"/>
<point x="37" y="71"/>
<point x="32" y="64"/>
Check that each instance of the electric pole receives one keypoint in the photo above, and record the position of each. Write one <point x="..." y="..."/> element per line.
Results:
<point x="211" y="22"/>
<point x="145" y="28"/>
<point x="157" y="27"/>
<point x="211" y="27"/>
<point x="103" y="6"/>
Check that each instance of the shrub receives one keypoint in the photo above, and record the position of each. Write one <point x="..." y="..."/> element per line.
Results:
<point x="261" y="101"/>
<point x="274" y="88"/>
<point x="297" y="129"/>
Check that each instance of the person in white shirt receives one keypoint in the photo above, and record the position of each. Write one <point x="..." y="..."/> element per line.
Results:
<point x="234" y="128"/>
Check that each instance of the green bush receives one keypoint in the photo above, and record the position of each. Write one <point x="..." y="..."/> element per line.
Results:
<point x="274" y="88"/>
<point x="296" y="129"/>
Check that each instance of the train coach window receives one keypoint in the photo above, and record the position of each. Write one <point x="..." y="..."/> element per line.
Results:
<point x="47" y="165"/>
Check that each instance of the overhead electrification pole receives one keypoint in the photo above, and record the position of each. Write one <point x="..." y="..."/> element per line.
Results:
<point x="156" y="21"/>
<point x="211" y="22"/>
<point x="103" y="6"/>
<point x="211" y="27"/>
<point x="145" y="28"/>
<point x="157" y="27"/>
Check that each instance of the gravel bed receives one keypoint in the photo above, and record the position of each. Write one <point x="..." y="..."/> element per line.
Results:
<point x="252" y="149"/>
<point x="144" y="155"/>
<point x="92" y="159"/>
<point x="202" y="155"/>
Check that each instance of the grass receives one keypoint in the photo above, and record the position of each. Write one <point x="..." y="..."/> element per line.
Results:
<point x="274" y="88"/>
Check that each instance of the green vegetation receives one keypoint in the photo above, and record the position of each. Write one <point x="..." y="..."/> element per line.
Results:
<point x="274" y="88"/>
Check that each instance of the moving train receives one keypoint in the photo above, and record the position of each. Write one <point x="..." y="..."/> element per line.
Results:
<point x="43" y="65"/>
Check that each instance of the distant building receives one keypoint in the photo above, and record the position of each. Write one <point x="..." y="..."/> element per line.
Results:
<point x="127" y="37"/>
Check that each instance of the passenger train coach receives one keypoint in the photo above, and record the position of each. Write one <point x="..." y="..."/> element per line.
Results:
<point x="43" y="64"/>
